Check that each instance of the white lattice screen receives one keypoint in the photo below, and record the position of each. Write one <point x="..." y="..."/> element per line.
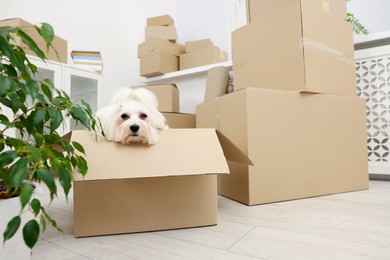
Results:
<point x="373" y="84"/>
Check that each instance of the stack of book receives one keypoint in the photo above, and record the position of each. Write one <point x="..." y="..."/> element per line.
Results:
<point x="91" y="60"/>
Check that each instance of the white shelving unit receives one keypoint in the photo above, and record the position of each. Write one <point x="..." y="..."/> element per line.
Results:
<point x="76" y="82"/>
<point x="191" y="84"/>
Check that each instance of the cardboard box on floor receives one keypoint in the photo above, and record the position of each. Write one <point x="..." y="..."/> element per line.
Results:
<point x="159" y="44"/>
<point x="191" y="46"/>
<point x="167" y="96"/>
<point x="157" y="63"/>
<point x="136" y="188"/>
<point x="164" y="32"/>
<point x="60" y="45"/>
<point x="302" y="145"/>
<point x="256" y="8"/>
<point x="162" y="20"/>
<point x="295" y="47"/>
<point x="202" y="57"/>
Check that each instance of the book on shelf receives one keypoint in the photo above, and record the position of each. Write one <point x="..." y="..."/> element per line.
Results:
<point x="88" y="60"/>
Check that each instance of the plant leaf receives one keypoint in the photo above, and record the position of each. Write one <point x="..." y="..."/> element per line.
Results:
<point x="12" y="227"/>
<point x="47" y="32"/>
<point x="7" y="84"/>
<point x="82" y="165"/>
<point x="25" y="194"/>
<point x="32" y="88"/>
<point x="31" y="233"/>
<point x="55" y="118"/>
<point x="7" y="158"/>
<point x="79" y="147"/>
<point x="18" y="173"/>
<point x="65" y="179"/>
<point x="36" y="206"/>
<point x="32" y="45"/>
<point x="48" y="179"/>
<point x="79" y="114"/>
<point x="35" y="153"/>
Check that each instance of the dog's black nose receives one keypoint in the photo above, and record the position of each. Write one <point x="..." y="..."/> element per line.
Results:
<point x="134" y="128"/>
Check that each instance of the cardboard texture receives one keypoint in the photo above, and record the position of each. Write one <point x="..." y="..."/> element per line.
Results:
<point x="302" y="145"/>
<point x="59" y="44"/>
<point x="158" y="44"/>
<point x="157" y="63"/>
<point x="163" y="32"/>
<point x="256" y="8"/>
<point x="180" y="120"/>
<point x="191" y="46"/>
<point x="162" y="20"/>
<point x="202" y="57"/>
<point x="295" y="47"/>
<point x="167" y="96"/>
<point x="135" y="188"/>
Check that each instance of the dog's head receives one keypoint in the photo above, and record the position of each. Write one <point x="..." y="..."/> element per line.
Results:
<point x="133" y="117"/>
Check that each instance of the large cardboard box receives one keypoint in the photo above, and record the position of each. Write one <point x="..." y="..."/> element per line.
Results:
<point x="159" y="44"/>
<point x="164" y="32"/>
<point x="157" y="63"/>
<point x="180" y="120"/>
<point x="135" y="188"/>
<point x="301" y="144"/>
<point x="162" y="20"/>
<point x="256" y="8"/>
<point x="202" y="57"/>
<point x="60" y="45"/>
<point x="167" y="96"/>
<point x="191" y="46"/>
<point x="295" y="47"/>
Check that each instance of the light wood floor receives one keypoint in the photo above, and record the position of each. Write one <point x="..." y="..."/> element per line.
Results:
<point x="352" y="225"/>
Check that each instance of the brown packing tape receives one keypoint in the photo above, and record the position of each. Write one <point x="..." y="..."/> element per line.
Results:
<point x="320" y="48"/>
<point x="325" y="6"/>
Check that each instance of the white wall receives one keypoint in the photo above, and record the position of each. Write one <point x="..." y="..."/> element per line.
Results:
<point x="373" y="14"/>
<point x="115" y="28"/>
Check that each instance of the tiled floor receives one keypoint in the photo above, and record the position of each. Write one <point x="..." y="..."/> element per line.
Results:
<point x="352" y="225"/>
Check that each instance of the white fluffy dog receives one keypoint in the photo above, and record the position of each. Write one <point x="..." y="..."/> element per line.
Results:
<point x="132" y="117"/>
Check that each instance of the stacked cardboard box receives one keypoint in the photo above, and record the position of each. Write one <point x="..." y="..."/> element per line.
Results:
<point x="200" y="53"/>
<point x="169" y="104"/>
<point x="302" y="143"/>
<point x="159" y="53"/>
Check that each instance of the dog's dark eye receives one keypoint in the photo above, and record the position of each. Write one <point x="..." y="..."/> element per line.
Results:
<point x="124" y="116"/>
<point x="143" y="116"/>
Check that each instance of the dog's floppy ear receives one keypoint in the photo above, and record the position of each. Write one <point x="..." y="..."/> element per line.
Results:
<point x="106" y="116"/>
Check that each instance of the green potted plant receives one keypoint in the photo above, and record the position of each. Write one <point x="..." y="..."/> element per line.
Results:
<point x="39" y="154"/>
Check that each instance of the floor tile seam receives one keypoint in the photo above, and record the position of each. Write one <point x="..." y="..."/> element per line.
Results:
<point x="65" y="248"/>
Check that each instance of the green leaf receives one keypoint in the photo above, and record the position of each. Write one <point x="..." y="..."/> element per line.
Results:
<point x="39" y="116"/>
<point x="32" y="45"/>
<point x="48" y="179"/>
<point x="7" y="158"/>
<point x="31" y="233"/>
<point x="47" y="32"/>
<point x="65" y="179"/>
<point x="6" y="85"/>
<point x="43" y="222"/>
<point x="7" y="50"/>
<point x="79" y="147"/>
<point x="32" y="88"/>
<point x="25" y="194"/>
<point x="55" y="118"/>
<point x="12" y="227"/>
<point x="36" y="206"/>
<point x="35" y="153"/>
<point x="82" y="165"/>
<point x="80" y="115"/>
<point x="46" y="90"/>
<point x="18" y="172"/>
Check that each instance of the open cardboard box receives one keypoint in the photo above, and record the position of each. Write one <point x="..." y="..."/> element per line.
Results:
<point x="136" y="188"/>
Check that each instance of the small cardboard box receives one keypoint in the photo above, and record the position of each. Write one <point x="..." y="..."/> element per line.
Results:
<point x="295" y="47"/>
<point x="202" y="57"/>
<point x="301" y="144"/>
<point x="163" y="32"/>
<point x="191" y="46"/>
<point x="257" y="8"/>
<point x="162" y="20"/>
<point x="157" y="63"/>
<point x="180" y="120"/>
<point x="60" y="45"/>
<point x="167" y="96"/>
<point x="159" y="44"/>
<point x="136" y="188"/>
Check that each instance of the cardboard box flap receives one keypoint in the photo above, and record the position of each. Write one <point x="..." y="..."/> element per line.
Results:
<point x="231" y="151"/>
<point x="180" y="152"/>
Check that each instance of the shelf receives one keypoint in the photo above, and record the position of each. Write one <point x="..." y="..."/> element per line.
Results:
<point x="371" y="40"/>
<point x="182" y="74"/>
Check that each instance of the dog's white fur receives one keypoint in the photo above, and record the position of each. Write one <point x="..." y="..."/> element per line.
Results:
<point x="132" y="116"/>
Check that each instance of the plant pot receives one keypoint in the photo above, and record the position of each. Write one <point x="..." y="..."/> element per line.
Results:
<point x="15" y="248"/>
